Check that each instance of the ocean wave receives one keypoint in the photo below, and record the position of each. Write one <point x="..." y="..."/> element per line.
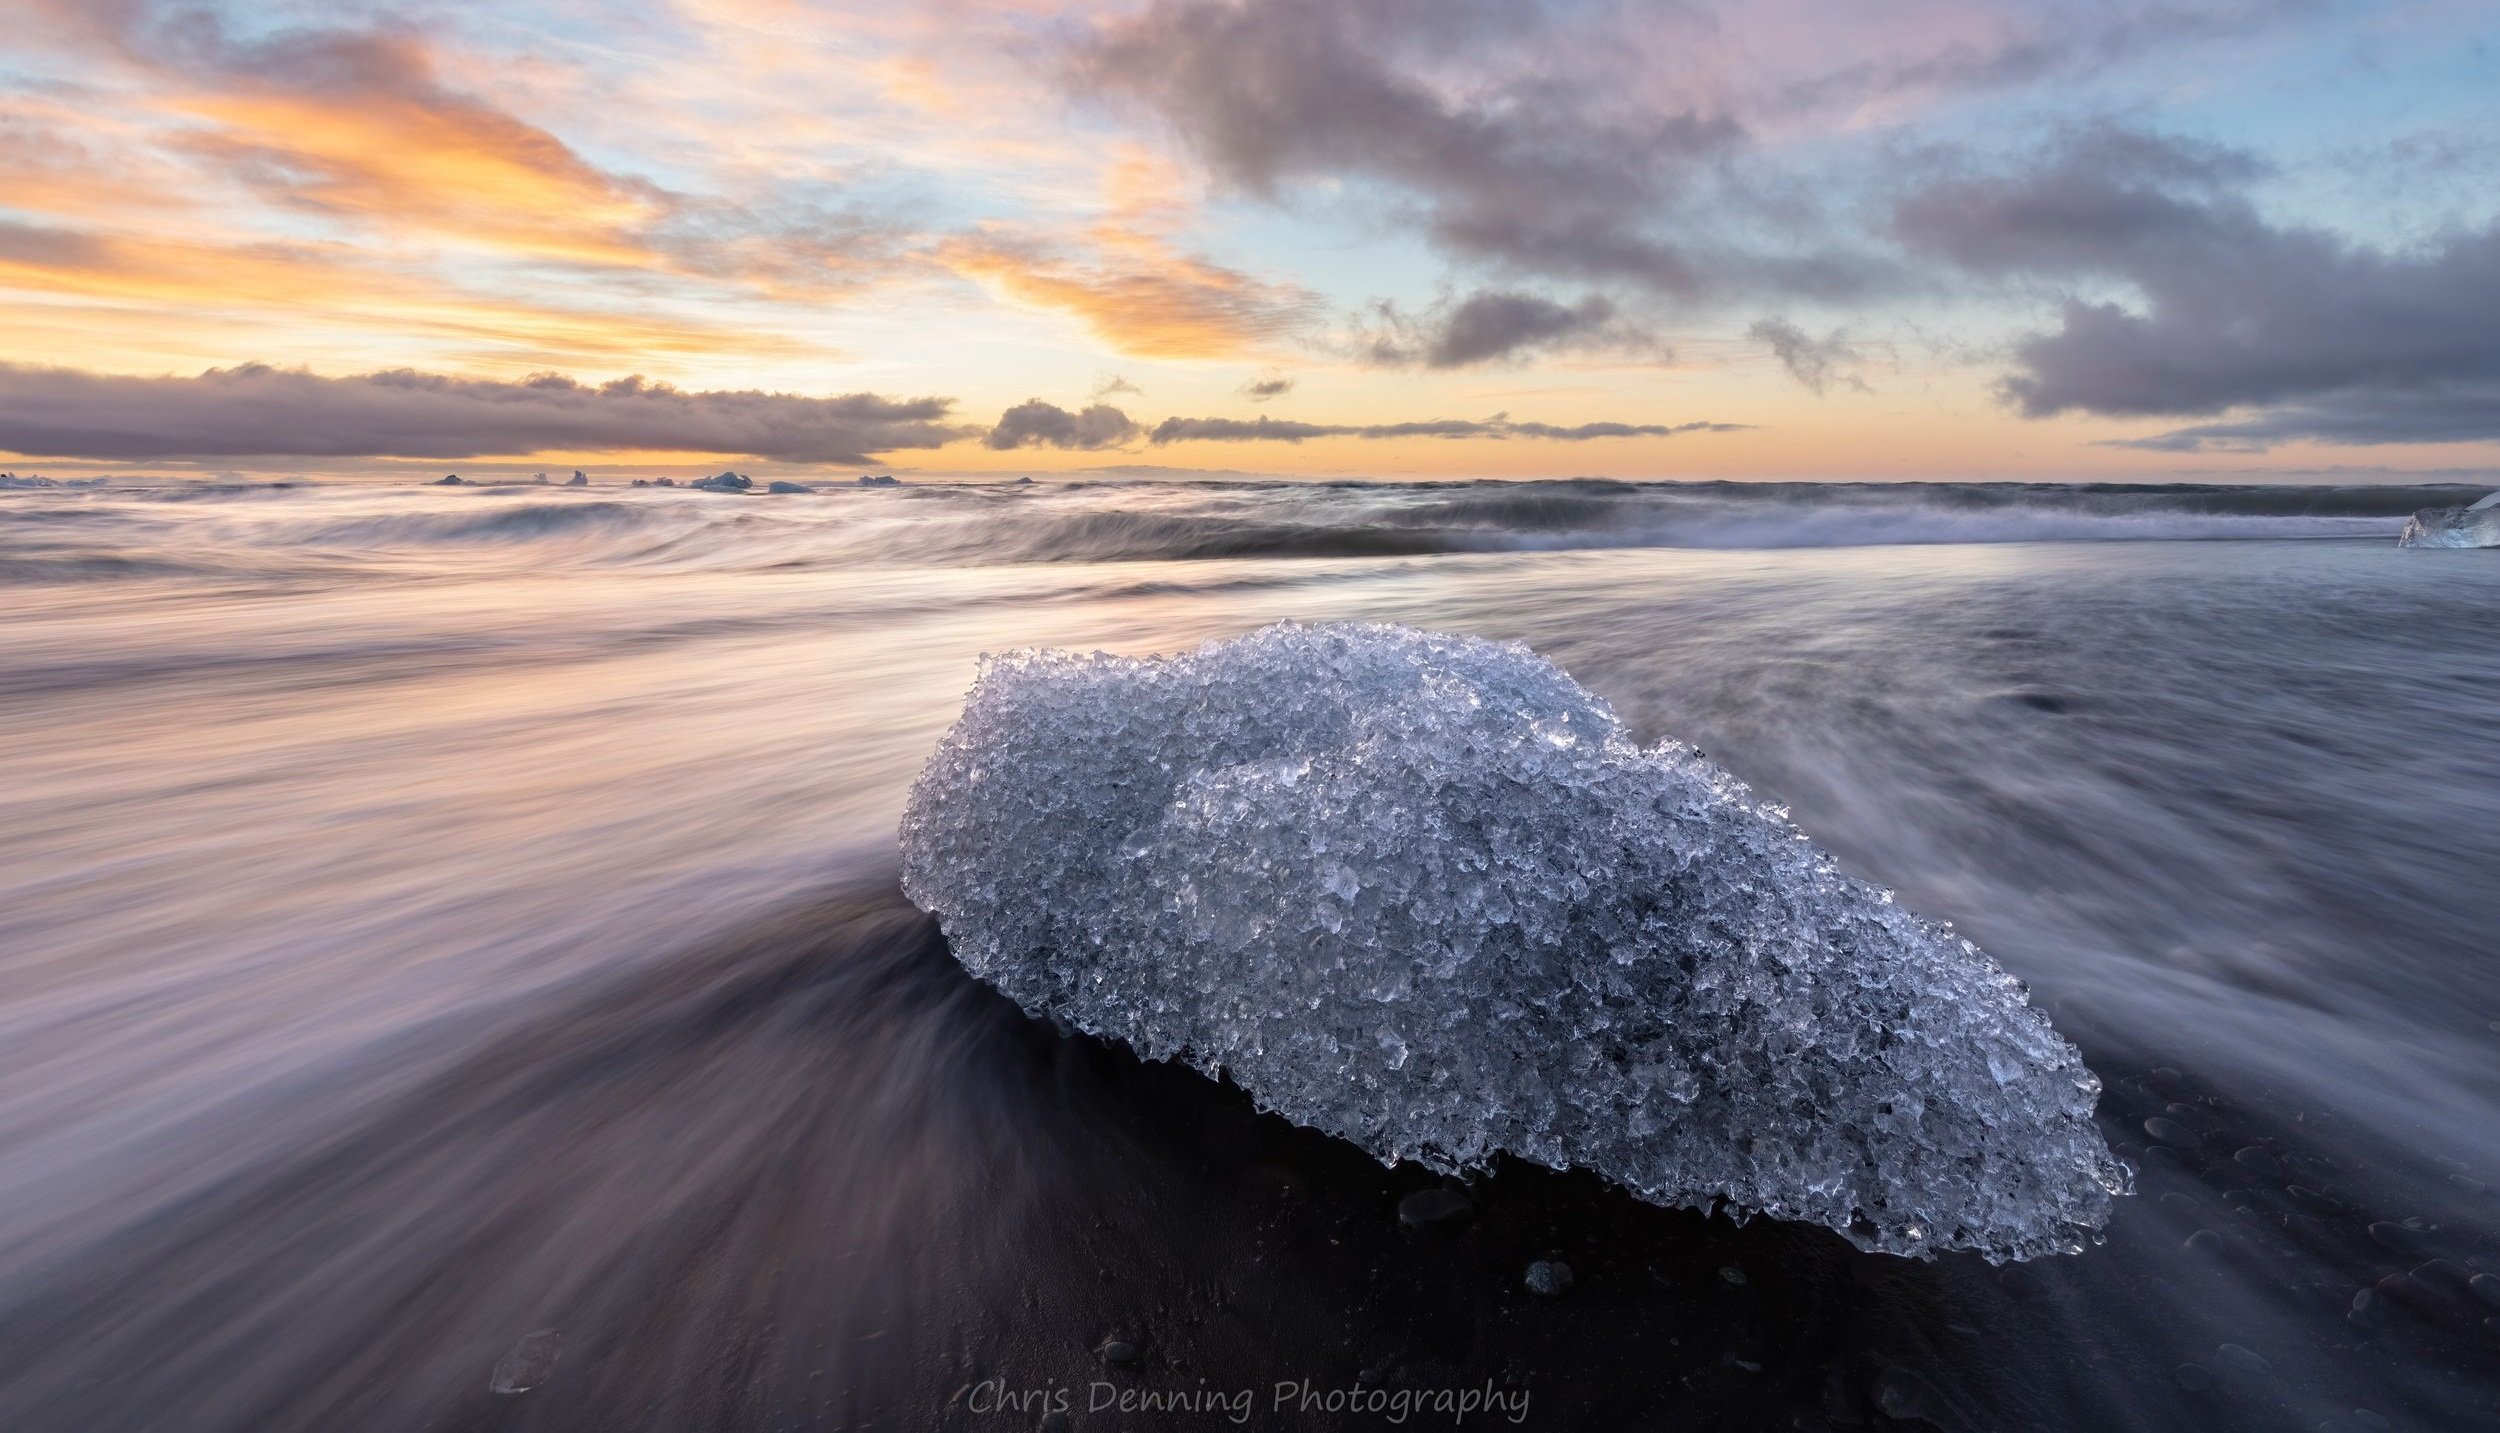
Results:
<point x="527" y="523"/>
<point x="1545" y="526"/>
<point x="264" y="532"/>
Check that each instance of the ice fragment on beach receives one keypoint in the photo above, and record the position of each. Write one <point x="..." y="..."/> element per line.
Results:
<point x="1424" y="893"/>
<point x="531" y="1362"/>
<point x="2475" y="525"/>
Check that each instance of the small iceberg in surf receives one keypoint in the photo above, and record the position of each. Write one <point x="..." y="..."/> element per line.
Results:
<point x="2475" y="525"/>
<point x="1424" y="893"/>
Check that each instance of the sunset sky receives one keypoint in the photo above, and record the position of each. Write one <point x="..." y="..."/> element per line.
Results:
<point x="2006" y="238"/>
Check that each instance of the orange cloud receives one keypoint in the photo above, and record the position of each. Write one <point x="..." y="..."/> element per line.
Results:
<point x="137" y="283"/>
<point x="1142" y="295"/>
<point x="459" y="170"/>
<point x="358" y="124"/>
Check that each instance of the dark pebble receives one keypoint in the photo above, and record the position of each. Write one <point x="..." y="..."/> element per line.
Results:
<point x="2178" y="1203"/>
<point x="2171" y="1132"/>
<point x="2162" y="1153"/>
<point x="2396" y="1237"/>
<point x="1436" y="1210"/>
<point x="2258" y="1161"/>
<point x="2194" y="1377"/>
<point x="2406" y="1289"/>
<point x="2441" y="1275"/>
<point x="2242" y="1360"/>
<point x="1732" y="1274"/>
<point x="2364" y="1418"/>
<point x="2368" y="1310"/>
<point x="1898" y="1394"/>
<point x="2468" y="1183"/>
<point x="1550" y="1277"/>
<point x="2204" y="1241"/>
<point x="1120" y="1351"/>
<point x="1057" y="1422"/>
<point x="2315" y="1199"/>
<point x="2164" y="1079"/>
<point x="2486" y="1287"/>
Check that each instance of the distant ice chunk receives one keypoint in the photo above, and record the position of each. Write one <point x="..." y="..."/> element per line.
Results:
<point x="2476" y="525"/>
<point x="1422" y="892"/>
<point x="531" y="1362"/>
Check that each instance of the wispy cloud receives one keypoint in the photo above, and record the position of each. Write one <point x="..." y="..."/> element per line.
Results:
<point x="1816" y="363"/>
<point x="1139" y="294"/>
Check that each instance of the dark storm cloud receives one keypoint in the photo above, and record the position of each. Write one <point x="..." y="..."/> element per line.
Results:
<point x="1259" y="390"/>
<point x="258" y="411"/>
<point x="1276" y="430"/>
<point x="1492" y="326"/>
<point x="1040" y="424"/>
<point x="2224" y="309"/>
<point x="2439" y="413"/>
<point x="1817" y="363"/>
<point x="1531" y="174"/>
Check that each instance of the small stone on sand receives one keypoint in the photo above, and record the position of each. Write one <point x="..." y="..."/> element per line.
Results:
<point x="1435" y="1209"/>
<point x="1549" y="1277"/>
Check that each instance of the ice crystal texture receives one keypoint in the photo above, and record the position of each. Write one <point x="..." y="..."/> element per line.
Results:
<point x="1424" y="893"/>
<point x="2474" y="526"/>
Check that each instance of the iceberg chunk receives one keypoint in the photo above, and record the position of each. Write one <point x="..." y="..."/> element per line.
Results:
<point x="1424" y="893"/>
<point x="2476" y="525"/>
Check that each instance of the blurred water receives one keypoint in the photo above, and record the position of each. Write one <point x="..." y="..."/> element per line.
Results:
<point x="431" y="915"/>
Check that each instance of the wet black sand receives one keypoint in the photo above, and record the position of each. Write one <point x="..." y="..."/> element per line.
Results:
<point x="816" y="1177"/>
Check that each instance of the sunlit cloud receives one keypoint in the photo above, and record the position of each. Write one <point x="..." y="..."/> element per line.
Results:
<point x="129" y="285"/>
<point x="1036" y="424"/>
<point x="1140" y="295"/>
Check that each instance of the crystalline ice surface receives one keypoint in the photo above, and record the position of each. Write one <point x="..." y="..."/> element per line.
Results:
<point x="2477" y="525"/>
<point x="1423" y="892"/>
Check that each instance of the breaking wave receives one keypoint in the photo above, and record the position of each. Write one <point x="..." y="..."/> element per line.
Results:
<point x="129" y="532"/>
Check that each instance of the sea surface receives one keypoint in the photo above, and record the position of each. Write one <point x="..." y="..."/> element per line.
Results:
<point x="431" y="917"/>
